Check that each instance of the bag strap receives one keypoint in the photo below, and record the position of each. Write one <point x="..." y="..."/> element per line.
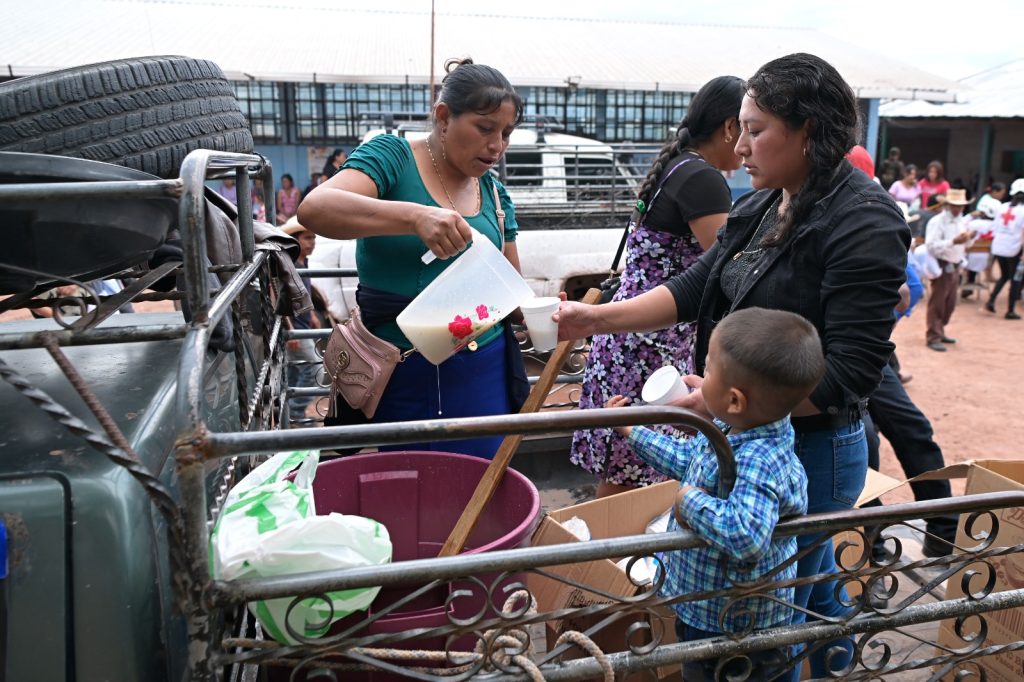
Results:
<point x="500" y="212"/>
<point x="640" y="212"/>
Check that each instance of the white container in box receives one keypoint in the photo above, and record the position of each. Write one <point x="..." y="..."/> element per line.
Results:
<point x="472" y="295"/>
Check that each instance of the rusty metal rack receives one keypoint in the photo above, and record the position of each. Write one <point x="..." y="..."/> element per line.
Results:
<point x="507" y="637"/>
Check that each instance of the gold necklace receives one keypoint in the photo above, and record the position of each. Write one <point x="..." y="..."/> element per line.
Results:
<point x="747" y="251"/>
<point x="448" y="194"/>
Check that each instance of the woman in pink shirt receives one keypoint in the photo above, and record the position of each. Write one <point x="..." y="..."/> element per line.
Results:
<point x="906" y="188"/>
<point x="934" y="182"/>
<point x="287" y="199"/>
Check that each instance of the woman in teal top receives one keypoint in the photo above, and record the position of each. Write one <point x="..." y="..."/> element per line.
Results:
<point x="398" y="199"/>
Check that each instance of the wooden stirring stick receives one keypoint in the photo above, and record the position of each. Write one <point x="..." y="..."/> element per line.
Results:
<point x="496" y="469"/>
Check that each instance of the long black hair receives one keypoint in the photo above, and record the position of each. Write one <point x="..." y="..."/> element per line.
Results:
<point x="716" y="102"/>
<point x="804" y="89"/>
<point x="477" y="88"/>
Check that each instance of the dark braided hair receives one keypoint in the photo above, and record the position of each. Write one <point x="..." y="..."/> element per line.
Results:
<point x="805" y="89"/>
<point x="477" y="88"/>
<point x="716" y="102"/>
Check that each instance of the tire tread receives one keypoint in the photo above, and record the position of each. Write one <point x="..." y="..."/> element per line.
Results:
<point x="145" y="113"/>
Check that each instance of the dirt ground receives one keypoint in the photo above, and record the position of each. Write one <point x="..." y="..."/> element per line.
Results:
<point x="969" y="392"/>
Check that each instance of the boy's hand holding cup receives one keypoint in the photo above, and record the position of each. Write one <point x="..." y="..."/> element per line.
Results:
<point x="664" y="387"/>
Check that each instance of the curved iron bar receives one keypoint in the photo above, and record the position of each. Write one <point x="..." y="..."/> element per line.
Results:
<point x="614" y="608"/>
<point x="418" y="570"/>
<point x="223" y="444"/>
<point x="58" y="315"/>
<point x="673" y="654"/>
<point x="142" y="296"/>
<point x="192" y="363"/>
<point x="493" y="642"/>
<point x="609" y="611"/>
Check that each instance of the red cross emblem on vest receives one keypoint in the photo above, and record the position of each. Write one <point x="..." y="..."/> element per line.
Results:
<point x="1008" y="216"/>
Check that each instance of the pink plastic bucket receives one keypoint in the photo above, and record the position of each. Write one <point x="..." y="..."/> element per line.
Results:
<point x="419" y="496"/>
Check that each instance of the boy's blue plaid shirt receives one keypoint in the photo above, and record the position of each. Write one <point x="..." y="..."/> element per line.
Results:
<point x="770" y="484"/>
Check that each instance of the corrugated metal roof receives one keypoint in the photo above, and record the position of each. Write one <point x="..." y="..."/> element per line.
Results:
<point x="995" y="93"/>
<point x="326" y="44"/>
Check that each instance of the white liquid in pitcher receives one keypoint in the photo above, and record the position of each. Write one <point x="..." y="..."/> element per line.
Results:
<point x="436" y="342"/>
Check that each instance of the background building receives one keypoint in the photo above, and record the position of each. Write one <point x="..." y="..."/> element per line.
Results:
<point x="979" y="140"/>
<point x="307" y="77"/>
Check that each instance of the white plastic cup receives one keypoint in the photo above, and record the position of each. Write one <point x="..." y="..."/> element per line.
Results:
<point x="543" y="330"/>
<point x="664" y="386"/>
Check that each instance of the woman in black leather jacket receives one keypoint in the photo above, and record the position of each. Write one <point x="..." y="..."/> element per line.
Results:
<point x="817" y="238"/>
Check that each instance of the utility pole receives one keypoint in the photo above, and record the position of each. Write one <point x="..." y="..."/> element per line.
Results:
<point x="431" y="52"/>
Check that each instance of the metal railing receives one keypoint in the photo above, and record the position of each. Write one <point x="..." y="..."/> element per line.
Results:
<point x="501" y="638"/>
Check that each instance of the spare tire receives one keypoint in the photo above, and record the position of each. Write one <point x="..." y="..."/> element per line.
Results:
<point x="146" y="113"/>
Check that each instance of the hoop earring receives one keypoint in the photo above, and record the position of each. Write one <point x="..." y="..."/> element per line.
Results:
<point x="728" y="139"/>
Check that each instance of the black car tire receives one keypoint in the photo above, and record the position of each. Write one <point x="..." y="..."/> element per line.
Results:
<point x="146" y="113"/>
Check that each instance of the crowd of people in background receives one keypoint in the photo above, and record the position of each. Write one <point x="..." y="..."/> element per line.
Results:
<point x="957" y="240"/>
<point x="288" y="196"/>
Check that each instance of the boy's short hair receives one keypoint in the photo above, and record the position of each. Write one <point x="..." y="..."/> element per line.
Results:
<point x="776" y="353"/>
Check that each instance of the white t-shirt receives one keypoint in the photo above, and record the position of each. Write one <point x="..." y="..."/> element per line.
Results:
<point x="1008" y="230"/>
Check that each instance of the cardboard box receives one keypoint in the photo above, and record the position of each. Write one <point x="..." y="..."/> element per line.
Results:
<point x="1006" y="626"/>
<point x="875" y="485"/>
<point x="616" y="516"/>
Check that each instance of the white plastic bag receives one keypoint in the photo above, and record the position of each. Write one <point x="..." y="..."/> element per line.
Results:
<point x="269" y="527"/>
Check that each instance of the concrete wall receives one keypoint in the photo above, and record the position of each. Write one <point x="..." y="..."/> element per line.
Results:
<point x="958" y="143"/>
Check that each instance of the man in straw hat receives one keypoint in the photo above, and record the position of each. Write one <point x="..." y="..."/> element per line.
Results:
<point x="947" y="237"/>
<point x="302" y="358"/>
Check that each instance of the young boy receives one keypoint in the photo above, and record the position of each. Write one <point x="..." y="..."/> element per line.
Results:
<point x="760" y="365"/>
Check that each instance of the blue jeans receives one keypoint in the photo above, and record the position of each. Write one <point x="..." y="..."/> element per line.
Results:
<point x="468" y="384"/>
<point x="836" y="462"/>
<point x="764" y="664"/>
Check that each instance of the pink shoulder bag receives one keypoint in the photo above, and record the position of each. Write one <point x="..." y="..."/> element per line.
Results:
<point x="360" y="364"/>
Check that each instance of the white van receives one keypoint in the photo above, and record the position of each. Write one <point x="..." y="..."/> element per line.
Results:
<point x="553" y="176"/>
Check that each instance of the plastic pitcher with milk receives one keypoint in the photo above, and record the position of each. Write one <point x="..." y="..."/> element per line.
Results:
<point x="472" y="295"/>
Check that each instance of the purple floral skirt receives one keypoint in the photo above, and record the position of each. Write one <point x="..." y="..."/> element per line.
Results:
<point x="619" y="364"/>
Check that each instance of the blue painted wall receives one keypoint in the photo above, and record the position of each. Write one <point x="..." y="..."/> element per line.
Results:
<point x="287" y="158"/>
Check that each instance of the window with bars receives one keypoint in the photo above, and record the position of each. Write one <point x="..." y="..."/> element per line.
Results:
<point x="308" y="105"/>
<point x="643" y="115"/>
<point x="344" y="103"/>
<point x="263" y="106"/>
<point x="319" y="113"/>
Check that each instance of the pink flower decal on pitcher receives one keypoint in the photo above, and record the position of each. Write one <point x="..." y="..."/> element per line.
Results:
<point x="481" y="312"/>
<point x="460" y="327"/>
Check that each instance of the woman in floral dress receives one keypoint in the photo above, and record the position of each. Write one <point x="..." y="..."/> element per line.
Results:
<point x="686" y="200"/>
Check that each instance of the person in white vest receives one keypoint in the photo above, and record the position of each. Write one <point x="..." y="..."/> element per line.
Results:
<point x="947" y="237"/>
<point x="1007" y="239"/>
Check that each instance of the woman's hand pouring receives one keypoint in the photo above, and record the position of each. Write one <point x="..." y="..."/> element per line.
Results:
<point x="445" y="232"/>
